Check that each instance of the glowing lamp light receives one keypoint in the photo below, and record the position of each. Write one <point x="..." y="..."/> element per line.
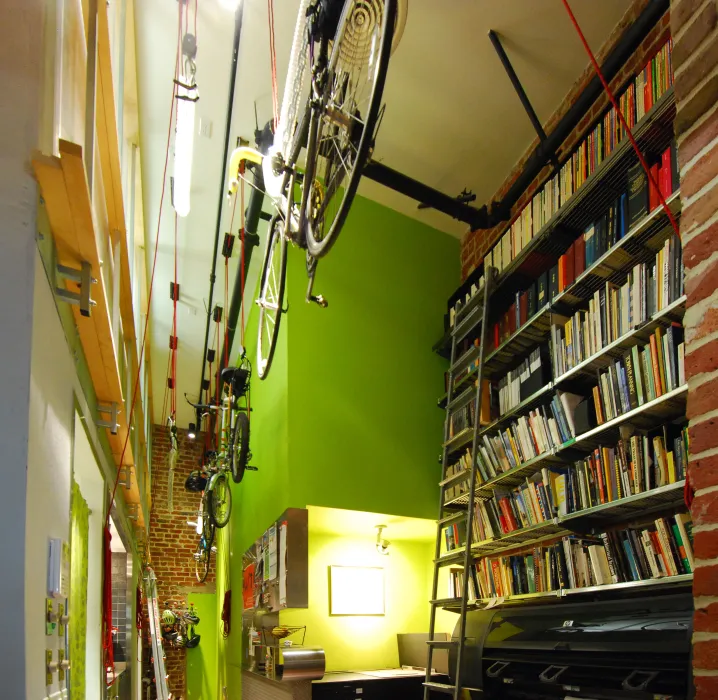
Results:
<point x="184" y="145"/>
<point x="356" y="590"/>
<point x="192" y="432"/>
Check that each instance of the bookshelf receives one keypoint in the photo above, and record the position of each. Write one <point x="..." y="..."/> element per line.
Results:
<point x="621" y="365"/>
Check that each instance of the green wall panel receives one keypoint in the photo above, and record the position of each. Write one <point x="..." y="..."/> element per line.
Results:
<point x="364" y="428"/>
<point x="202" y="661"/>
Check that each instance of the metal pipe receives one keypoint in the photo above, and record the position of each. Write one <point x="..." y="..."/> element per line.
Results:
<point x="230" y="104"/>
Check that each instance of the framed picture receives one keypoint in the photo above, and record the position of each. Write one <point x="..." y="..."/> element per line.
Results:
<point x="356" y="590"/>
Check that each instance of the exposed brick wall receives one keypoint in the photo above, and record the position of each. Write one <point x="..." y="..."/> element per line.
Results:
<point x="476" y="244"/>
<point x="171" y="541"/>
<point x="695" y="63"/>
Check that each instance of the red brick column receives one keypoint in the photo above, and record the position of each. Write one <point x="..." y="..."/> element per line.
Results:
<point x="171" y="541"/>
<point x="695" y="63"/>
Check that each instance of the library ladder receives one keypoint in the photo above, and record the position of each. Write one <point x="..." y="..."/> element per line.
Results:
<point x="153" y="616"/>
<point x="449" y="516"/>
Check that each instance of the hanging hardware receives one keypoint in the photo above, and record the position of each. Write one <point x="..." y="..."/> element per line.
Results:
<point x="112" y="410"/>
<point x="174" y="291"/>
<point x="170" y="383"/>
<point x="133" y="511"/>
<point x="84" y="278"/>
<point x="125" y="478"/>
<point x="228" y="245"/>
<point x="464" y="197"/>
<point x="523" y="97"/>
<point x="173" y="342"/>
<point x="210" y="357"/>
<point x="552" y="673"/>
<point x="217" y="314"/>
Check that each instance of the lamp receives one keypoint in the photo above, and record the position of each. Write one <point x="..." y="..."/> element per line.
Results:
<point x="191" y="433"/>
<point x="382" y="545"/>
<point x="186" y="96"/>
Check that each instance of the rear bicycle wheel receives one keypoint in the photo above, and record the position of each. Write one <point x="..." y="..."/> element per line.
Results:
<point x="271" y="295"/>
<point x="341" y="131"/>
<point x="201" y="561"/>
<point x="220" y="500"/>
<point x="240" y="447"/>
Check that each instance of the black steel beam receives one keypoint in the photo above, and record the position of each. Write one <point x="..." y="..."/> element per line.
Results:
<point x="523" y="97"/>
<point x="393" y="179"/>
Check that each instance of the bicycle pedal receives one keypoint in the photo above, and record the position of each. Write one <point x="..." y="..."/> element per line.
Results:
<point x="319" y="299"/>
<point x="252" y="469"/>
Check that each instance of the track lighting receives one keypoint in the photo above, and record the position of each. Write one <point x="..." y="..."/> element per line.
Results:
<point x="191" y="433"/>
<point x="382" y="545"/>
<point x="187" y="96"/>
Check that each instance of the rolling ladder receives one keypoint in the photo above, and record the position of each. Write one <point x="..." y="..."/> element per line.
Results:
<point x="462" y="327"/>
<point x="153" y="615"/>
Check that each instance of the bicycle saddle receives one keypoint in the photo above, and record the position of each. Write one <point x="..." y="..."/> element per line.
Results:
<point x="237" y="377"/>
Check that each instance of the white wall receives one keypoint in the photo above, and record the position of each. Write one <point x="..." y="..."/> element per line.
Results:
<point x="49" y="468"/>
<point x="89" y="479"/>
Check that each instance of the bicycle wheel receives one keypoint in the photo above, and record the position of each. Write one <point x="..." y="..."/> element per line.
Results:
<point x="341" y="131"/>
<point x="271" y="295"/>
<point x="220" y="500"/>
<point x="240" y="447"/>
<point x="207" y="525"/>
<point x="201" y="561"/>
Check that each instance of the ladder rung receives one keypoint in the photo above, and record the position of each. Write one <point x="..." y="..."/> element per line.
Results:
<point x="442" y="643"/>
<point x="459" y="476"/>
<point x="440" y="687"/>
<point x="450" y="558"/>
<point x="454" y="517"/>
<point x="445" y="602"/>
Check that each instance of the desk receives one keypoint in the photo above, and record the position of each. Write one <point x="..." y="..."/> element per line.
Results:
<point x="373" y="684"/>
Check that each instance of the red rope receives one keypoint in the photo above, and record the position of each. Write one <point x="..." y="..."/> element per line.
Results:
<point x="175" y="344"/>
<point x="273" y="61"/>
<point x="108" y="657"/>
<point x="627" y="129"/>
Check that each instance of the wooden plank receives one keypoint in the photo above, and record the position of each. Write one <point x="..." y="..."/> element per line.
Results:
<point x="78" y="194"/>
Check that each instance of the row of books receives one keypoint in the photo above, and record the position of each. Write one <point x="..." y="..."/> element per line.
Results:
<point x="461" y="465"/>
<point x="634" y="465"/>
<point x="613" y="311"/>
<point x="461" y="419"/>
<point x="659" y="549"/>
<point x="528" y="436"/>
<point x="644" y="90"/>
<point x="643" y="374"/>
<point x="509" y="387"/>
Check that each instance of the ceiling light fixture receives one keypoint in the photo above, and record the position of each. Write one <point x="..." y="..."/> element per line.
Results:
<point x="187" y="97"/>
<point x="191" y="433"/>
<point x="382" y="545"/>
<point x="232" y="5"/>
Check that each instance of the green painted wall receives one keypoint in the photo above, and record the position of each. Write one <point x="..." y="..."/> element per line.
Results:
<point x="363" y="380"/>
<point x="365" y="642"/>
<point x="347" y="417"/>
<point x="202" y="661"/>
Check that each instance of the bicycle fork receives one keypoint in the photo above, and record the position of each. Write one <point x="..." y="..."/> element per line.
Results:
<point x="316" y="298"/>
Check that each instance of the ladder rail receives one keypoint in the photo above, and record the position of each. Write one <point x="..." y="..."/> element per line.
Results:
<point x="488" y="284"/>
<point x="153" y="616"/>
<point x="468" y="514"/>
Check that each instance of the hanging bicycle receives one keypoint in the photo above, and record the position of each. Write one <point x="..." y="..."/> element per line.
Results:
<point x="343" y="46"/>
<point x="197" y="482"/>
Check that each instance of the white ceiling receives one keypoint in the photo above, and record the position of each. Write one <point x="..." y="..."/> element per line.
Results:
<point x="359" y="523"/>
<point x="452" y="121"/>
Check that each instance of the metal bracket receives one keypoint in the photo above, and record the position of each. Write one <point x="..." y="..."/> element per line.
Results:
<point x="638" y="680"/>
<point x="133" y="511"/>
<point x="552" y="673"/>
<point x="497" y="668"/>
<point x="125" y="478"/>
<point x="112" y="410"/>
<point x="84" y="278"/>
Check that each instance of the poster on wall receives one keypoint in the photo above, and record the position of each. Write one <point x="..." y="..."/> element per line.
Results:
<point x="248" y="587"/>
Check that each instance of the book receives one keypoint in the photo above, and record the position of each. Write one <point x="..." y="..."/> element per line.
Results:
<point x="637" y="194"/>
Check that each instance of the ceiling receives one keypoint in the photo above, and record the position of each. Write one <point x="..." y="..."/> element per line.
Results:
<point x="358" y="523"/>
<point x="452" y="121"/>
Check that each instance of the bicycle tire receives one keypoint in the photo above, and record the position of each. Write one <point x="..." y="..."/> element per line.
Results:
<point x="319" y="246"/>
<point x="219" y="486"/>
<point x="201" y="563"/>
<point x="207" y="524"/>
<point x="265" y="323"/>
<point x="239" y="450"/>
